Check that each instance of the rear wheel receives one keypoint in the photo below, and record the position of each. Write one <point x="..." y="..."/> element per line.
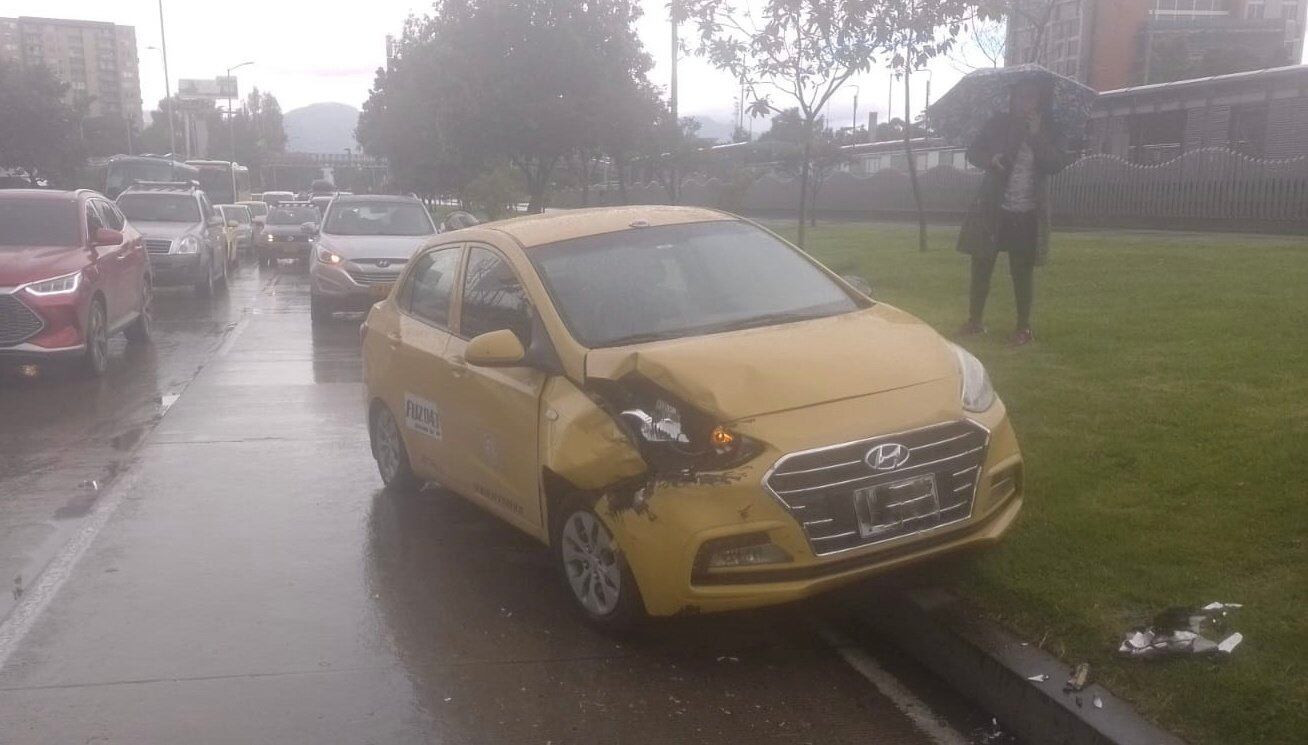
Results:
<point x="96" y="358"/>
<point x="388" y="449"/>
<point x="594" y="571"/>
<point x="139" y="331"/>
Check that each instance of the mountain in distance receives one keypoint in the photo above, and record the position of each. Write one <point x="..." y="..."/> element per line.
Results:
<point x="716" y="129"/>
<point x="321" y="128"/>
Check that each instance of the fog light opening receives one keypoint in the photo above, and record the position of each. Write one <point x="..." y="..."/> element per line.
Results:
<point x="751" y="549"/>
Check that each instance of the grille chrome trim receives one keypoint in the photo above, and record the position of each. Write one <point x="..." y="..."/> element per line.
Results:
<point x="830" y="522"/>
<point x="18" y="322"/>
<point x="158" y="245"/>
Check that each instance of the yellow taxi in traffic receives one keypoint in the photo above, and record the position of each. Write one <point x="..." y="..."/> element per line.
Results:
<point x="693" y="414"/>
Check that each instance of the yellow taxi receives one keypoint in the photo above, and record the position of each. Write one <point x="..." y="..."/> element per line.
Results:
<point x="693" y="414"/>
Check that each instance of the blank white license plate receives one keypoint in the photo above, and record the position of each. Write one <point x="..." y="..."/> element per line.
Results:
<point x="886" y="508"/>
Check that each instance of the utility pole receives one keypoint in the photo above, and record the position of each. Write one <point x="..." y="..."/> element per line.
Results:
<point x="168" y="87"/>
<point x="853" y="122"/>
<point x="673" y="12"/>
<point x="231" y="128"/>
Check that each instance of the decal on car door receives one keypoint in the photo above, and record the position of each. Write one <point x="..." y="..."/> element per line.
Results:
<point x="420" y="415"/>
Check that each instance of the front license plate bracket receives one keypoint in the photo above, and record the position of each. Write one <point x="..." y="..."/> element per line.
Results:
<point x="903" y="506"/>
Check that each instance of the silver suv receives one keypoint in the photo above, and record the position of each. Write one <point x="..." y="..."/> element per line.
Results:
<point x="363" y="243"/>
<point x="183" y="233"/>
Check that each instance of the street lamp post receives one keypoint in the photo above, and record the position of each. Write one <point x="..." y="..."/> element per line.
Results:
<point x="231" y="127"/>
<point x="168" y="88"/>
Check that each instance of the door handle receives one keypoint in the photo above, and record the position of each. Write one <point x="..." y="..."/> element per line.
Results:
<point x="458" y="366"/>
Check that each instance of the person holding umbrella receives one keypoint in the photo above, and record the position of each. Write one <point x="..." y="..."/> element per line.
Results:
<point x="1011" y="212"/>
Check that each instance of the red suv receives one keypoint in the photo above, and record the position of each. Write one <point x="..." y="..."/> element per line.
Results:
<point x="72" y="273"/>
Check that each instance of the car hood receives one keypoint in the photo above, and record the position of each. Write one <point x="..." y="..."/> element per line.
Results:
<point x="169" y="230"/>
<point x="20" y="265"/>
<point x="740" y="374"/>
<point x="373" y="246"/>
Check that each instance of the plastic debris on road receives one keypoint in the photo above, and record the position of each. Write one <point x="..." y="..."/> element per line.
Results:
<point x="1080" y="676"/>
<point x="1183" y="631"/>
<point x="1042" y="677"/>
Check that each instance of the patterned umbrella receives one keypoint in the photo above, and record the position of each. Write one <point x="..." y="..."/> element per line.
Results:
<point x="960" y="113"/>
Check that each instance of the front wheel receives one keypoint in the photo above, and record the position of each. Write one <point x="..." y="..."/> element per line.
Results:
<point x="139" y="331"/>
<point x="594" y="571"/>
<point x="205" y="286"/>
<point x="389" y="451"/>
<point x="96" y="358"/>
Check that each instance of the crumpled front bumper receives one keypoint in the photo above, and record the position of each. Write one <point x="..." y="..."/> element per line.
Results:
<point x="668" y="539"/>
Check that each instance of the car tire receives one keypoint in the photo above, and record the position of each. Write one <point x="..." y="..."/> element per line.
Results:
<point x="593" y="570"/>
<point x="389" y="451"/>
<point x="222" y="277"/>
<point x="139" y="331"/>
<point x="318" y="312"/>
<point x="96" y="358"/>
<point x="205" y="286"/>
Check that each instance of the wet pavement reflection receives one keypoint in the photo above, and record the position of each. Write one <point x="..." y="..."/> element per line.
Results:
<point x="253" y="582"/>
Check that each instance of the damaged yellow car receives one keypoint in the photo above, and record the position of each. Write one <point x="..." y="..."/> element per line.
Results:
<point x="692" y="414"/>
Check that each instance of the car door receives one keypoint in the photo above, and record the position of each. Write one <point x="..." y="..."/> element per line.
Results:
<point x="495" y="410"/>
<point x="108" y="263"/>
<point x="130" y="262"/>
<point x="421" y="397"/>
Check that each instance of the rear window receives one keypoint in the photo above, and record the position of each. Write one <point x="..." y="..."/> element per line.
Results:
<point x="39" y="222"/>
<point x="293" y="215"/>
<point x="159" y="207"/>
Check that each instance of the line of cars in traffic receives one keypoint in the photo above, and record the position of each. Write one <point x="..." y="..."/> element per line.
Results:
<point x="77" y="267"/>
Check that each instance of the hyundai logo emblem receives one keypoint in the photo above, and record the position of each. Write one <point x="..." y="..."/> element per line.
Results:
<point x="383" y="263"/>
<point x="886" y="457"/>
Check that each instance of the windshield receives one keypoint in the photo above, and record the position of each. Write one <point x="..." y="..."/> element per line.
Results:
<point x="217" y="183"/>
<point x="257" y="209"/>
<point x="293" y="215"/>
<point x="38" y="222"/>
<point x="682" y="280"/>
<point x="160" y="207"/>
<point x="378" y="218"/>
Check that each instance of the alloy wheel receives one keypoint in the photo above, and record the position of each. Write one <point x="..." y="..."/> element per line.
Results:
<point x="387" y="446"/>
<point x="97" y="340"/>
<point x="591" y="563"/>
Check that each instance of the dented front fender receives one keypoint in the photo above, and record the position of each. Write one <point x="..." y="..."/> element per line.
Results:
<point x="581" y="442"/>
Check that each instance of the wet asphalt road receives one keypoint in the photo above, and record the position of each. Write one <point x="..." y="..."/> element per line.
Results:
<point x="200" y="550"/>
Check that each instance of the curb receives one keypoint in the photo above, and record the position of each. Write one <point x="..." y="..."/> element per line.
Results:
<point x="990" y="666"/>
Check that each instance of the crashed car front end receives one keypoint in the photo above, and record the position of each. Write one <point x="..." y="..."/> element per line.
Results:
<point x="717" y="512"/>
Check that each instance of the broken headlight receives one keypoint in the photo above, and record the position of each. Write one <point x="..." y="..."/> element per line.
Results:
<point x="676" y="436"/>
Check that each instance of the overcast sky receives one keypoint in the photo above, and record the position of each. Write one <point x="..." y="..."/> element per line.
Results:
<point x="328" y="50"/>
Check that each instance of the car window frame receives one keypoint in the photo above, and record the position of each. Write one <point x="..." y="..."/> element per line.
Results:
<point x="92" y="212"/>
<point x="403" y="293"/>
<point x="106" y="213"/>
<point x="463" y="279"/>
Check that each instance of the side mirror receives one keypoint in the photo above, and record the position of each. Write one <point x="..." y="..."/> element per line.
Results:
<point x="495" y="349"/>
<point x="858" y="283"/>
<point x="309" y="228"/>
<point x="233" y="224"/>
<point x="107" y="237"/>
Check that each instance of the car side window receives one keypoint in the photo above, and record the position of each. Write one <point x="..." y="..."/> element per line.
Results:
<point x="93" y="220"/>
<point x="431" y="287"/>
<point x="109" y="218"/>
<point x="206" y="209"/>
<point x="493" y="298"/>
<point x="115" y="215"/>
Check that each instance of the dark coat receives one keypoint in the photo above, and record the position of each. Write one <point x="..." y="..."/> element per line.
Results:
<point x="1003" y="135"/>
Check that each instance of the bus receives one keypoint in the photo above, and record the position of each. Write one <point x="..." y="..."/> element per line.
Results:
<point x="121" y="171"/>
<point x="222" y="181"/>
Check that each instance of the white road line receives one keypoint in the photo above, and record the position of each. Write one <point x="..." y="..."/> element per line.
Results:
<point x="913" y="707"/>
<point x="39" y="594"/>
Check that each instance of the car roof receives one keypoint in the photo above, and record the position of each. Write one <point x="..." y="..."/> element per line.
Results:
<point x="550" y="227"/>
<point x="47" y="193"/>
<point x="347" y="198"/>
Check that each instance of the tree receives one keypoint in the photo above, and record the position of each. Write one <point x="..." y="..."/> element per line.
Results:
<point x="544" y="90"/>
<point x="800" y="50"/>
<point x="825" y="155"/>
<point x="913" y="32"/>
<point x="38" y="130"/>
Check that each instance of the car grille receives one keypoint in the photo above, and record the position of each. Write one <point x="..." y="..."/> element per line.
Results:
<point x="373" y="278"/>
<point x="18" y="323"/>
<point x="158" y="245"/>
<point x="821" y="487"/>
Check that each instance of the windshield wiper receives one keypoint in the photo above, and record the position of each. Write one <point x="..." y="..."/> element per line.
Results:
<point x="643" y="338"/>
<point x="767" y="319"/>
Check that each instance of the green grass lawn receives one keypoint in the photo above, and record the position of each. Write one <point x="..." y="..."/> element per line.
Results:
<point x="1163" y="414"/>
